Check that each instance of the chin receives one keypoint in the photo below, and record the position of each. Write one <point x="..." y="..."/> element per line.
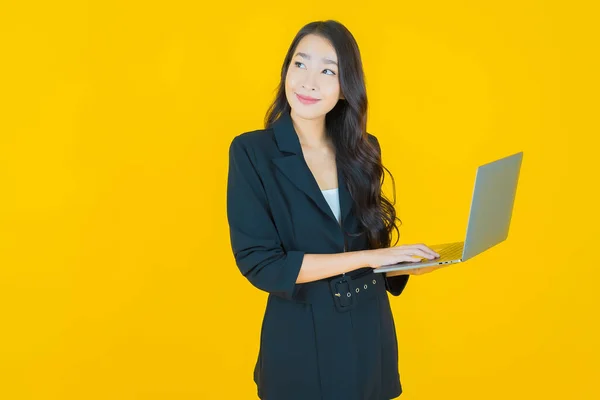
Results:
<point x="305" y="114"/>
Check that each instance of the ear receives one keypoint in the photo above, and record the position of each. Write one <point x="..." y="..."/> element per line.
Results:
<point x="342" y="96"/>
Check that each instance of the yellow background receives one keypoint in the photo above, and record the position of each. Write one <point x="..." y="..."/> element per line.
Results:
<point x="117" y="279"/>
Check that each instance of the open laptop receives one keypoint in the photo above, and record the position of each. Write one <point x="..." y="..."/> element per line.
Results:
<point x="489" y="217"/>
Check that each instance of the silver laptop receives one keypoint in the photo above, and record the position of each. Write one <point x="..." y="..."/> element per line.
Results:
<point x="489" y="217"/>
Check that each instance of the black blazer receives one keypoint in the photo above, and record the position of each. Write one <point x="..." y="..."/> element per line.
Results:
<point x="277" y="213"/>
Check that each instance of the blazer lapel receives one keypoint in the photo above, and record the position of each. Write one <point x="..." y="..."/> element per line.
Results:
<point x="294" y="167"/>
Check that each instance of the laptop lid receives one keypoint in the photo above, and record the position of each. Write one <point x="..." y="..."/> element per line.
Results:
<point x="492" y="204"/>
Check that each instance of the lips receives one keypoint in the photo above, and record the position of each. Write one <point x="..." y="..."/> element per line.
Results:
<point x="306" y="99"/>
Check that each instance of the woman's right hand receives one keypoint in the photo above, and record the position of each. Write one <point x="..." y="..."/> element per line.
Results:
<point x="396" y="254"/>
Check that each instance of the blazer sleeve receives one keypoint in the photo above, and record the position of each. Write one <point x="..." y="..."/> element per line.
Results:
<point x="394" y="284"/>
<point x="255" y="241"/>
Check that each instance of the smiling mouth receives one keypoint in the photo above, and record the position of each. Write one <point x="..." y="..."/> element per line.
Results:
<point x="305" y="99"/>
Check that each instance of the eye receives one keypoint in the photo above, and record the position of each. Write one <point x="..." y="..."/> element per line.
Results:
<point x="298" y="62"/>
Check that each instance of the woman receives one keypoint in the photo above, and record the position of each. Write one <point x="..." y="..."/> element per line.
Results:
<point x="308" y="224"/>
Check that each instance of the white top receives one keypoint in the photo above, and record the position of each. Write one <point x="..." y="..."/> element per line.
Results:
<point x="333" y="199"/>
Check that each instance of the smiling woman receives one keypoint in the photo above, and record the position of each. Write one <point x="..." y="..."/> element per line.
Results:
<point x="328" y="331"/>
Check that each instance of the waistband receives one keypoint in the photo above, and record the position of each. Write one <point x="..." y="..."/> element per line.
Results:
<point x="344" y="292"/>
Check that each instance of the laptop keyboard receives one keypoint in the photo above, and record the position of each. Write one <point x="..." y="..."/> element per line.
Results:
<point x="452" y="252"/>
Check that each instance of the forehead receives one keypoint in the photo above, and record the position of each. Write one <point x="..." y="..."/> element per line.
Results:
<point x="316" y="47"/>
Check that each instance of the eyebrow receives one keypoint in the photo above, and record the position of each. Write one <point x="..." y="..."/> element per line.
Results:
<point x="307" y="56"/>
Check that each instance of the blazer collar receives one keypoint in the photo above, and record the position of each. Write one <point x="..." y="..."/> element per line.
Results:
<point x="295" y="168"/>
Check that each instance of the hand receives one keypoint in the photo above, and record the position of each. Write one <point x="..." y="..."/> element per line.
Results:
<point x="398" y="254"/>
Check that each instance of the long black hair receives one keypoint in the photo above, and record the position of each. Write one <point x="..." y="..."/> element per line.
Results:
<point x="358" y="157"/>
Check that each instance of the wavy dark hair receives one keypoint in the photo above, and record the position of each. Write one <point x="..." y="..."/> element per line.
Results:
<point x="358" y="157"/>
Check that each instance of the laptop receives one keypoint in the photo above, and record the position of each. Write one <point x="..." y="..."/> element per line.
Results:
<point x="489" y="217"/>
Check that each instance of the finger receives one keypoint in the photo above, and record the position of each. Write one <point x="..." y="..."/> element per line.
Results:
<point x="421" y="271"/>
<point x="416" y="249"/>
<point x="427" y="270"/>
<point x="415" y="252"/>
<point x="422" y="253"/>
<point x="427" y="249"/>
<point x="430" y="251"/>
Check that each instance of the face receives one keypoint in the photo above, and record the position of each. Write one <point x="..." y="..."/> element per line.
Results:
<point x="313" y="72"/>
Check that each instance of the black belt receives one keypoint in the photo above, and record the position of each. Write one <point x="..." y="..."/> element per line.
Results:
<point x="344" y="291"/>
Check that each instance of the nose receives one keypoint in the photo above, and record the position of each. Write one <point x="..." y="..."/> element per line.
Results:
<point x="309" y="82"/>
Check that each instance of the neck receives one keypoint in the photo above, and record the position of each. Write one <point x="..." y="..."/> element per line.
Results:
<point x="311" y="132"/>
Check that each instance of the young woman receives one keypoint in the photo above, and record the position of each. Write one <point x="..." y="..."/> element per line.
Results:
<point x="309" y="223"/>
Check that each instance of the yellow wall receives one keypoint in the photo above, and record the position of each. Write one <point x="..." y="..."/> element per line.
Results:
<point x="116" y="276"/>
